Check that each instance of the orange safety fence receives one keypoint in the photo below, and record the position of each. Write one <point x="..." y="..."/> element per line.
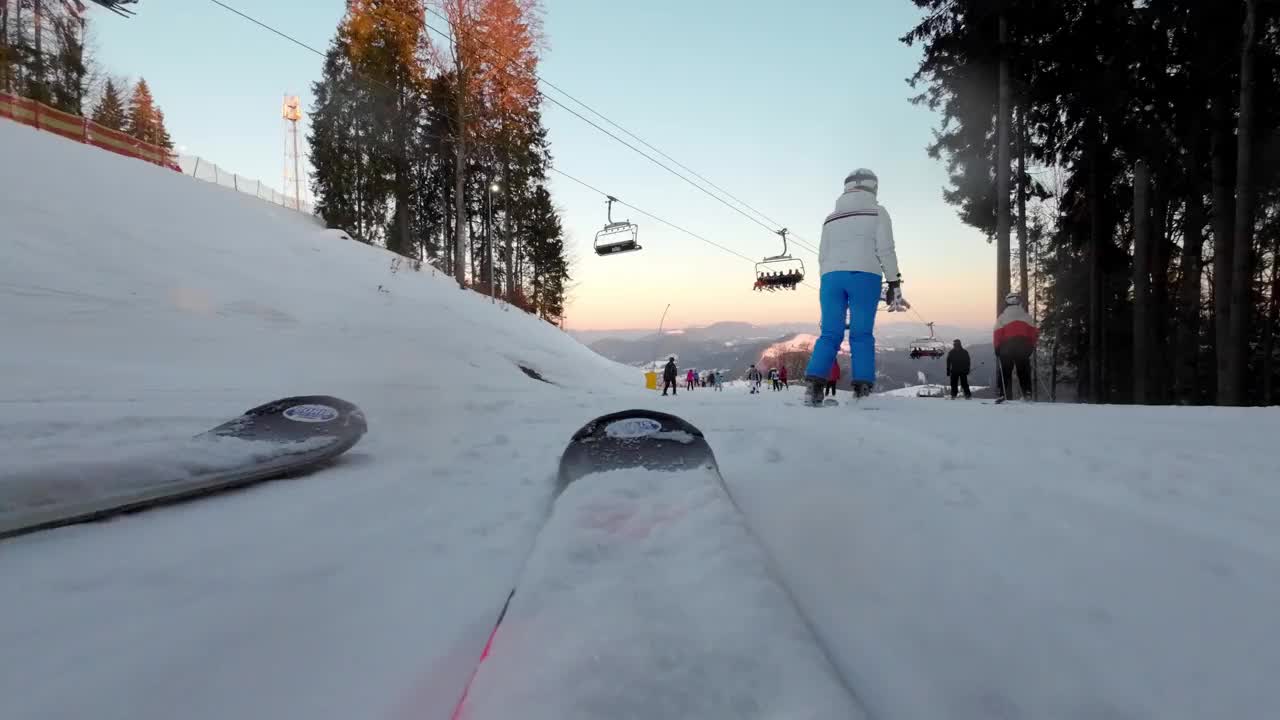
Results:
<point x="74" y="127"/>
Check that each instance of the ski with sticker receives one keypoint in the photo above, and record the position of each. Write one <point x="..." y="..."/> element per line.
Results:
<point x="286" y="437"/>
<point x="646" y="595"/>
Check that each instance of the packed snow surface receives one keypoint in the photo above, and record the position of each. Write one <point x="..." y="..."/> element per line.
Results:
<point x="955" y="560"/>
<point x="645" y="595"/>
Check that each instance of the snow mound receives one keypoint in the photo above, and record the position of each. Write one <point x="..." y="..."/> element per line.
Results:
<point x="134" y="295"/>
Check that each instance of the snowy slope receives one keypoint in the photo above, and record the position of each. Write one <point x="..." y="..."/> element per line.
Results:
<point x="141" y="307"/>
<point x="158" y="294"/>
<point x="958" y="560"/>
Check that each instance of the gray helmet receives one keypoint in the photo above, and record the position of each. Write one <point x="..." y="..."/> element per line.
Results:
<point x="862" y="179"/>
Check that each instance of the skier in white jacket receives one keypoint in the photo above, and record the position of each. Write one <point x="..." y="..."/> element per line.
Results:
<point x="857" y="247"/>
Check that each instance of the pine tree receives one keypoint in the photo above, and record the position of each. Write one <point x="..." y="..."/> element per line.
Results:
<point x="339" y="178"/>
<point x="110" y="110"/>
<point x="1101" y="87"/>
<point x="544" y="247"/>
<point x="141" y="122"/>
<point x="161" y="132"/>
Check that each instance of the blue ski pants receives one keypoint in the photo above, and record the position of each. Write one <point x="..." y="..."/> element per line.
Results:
<point x="858" y="293"/>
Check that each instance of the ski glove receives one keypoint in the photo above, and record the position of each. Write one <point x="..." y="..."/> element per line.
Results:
<point x="893" y="297"/>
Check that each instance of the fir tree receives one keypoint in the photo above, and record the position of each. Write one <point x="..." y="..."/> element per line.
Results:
<point x="141" y="122"/>
<point x="110" y="111"/>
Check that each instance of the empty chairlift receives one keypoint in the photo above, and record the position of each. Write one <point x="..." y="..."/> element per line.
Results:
<point x="616" y="237"/>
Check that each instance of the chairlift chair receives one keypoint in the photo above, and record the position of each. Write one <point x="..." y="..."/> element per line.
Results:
<point x="616" y="237"/>
<point x="928" y="347"/>
<point x="779" y="272"/>
<point x="117" y="6"/>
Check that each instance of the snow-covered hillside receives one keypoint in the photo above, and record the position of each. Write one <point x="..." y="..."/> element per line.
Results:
<point x="956" y="560"/>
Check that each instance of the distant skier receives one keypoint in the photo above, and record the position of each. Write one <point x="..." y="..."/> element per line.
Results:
<point x="753" y="379"/>
<point x="719" y="378"/>
<point x="958" y="370"/>
<point x="689" y="379"/>
<point x="669" y="376"/>
<point x="833" y="378"/>
<point x="773" y="380"/>
<point x="857" y="246"/>
<point x="1015" y="339"/>
<point x="782" y="376"/>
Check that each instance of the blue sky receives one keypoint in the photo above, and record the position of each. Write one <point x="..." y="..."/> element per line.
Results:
<point x="775" y="103"/>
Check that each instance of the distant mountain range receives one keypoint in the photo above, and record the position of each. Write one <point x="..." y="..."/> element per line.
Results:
<point x="733" y="346"/>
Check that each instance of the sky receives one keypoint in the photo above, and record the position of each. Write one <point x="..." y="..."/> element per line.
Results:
<point x="775" y="107"/>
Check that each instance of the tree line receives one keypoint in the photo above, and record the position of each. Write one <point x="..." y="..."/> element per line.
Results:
<point x="1132" y="147"/>
<point x="436" y="149"/>
<point x="44" y="57"/>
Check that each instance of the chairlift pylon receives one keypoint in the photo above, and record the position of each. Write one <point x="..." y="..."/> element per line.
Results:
<point x="779" y="271"/>
<point x="616" y="237"/>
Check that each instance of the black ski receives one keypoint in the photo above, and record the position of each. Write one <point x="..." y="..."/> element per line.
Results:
<point x="626" y="605"/>
<point x="286" y="437"/>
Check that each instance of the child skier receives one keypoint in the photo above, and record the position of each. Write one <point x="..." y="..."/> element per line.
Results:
<point x="857" y="245"/>
<point x="753" y="379"/>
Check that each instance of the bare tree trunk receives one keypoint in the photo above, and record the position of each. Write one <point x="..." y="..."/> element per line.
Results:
<point x="1022" y="205"/>
<point x="1002" y="172"/>
<point x="39" y="92"/>
<point x="1096" y="393"/>
<point x="1160" y="382"/>
<point x="1223" y="219"/>
<point x="1269" y="334"/>
<point x="508" y="236"/>
<point x="1141" y="280"/>
<point x="460" y="156"/>
<point x="18" y="42"/>
<point x="1053" y="371"/>
<point x="6" y="62"/>
<point x="460" y="209"/>
<point x="1188" y="353"/>
<point x="1242" y="245"/>
<point x="475" y="256"/>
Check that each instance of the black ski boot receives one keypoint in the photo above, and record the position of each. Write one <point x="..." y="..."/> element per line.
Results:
<point x="814" y="394"/>
<point x="861" y="389"/>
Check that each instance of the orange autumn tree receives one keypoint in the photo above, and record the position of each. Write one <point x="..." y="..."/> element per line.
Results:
<point x="389" y="51"/>
<point x="493" y="56"/>
<point x="508" y="85"/>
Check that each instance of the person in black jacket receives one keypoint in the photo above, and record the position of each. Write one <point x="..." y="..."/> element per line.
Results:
<point x="669" y="376"/>
<point x="958" y="370"/>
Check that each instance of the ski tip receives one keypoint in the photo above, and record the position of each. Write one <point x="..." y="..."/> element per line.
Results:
<point x="297" y="417"/>
<point x="636" y="426"/>
<point x="634" y="438"/>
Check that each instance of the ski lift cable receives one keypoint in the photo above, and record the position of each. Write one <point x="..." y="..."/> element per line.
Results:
<point x="320" y="53"/>
<point x="267" y="27"/>
<point x="646" y="213"/>
<point x="551" y="167"/>
<point x="548" y="83"/>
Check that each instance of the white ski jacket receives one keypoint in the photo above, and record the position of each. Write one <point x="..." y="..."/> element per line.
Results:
<point x="858" y="237"/>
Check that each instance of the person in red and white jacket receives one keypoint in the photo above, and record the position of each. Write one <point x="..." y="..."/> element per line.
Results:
<point x="1015" y="340"/>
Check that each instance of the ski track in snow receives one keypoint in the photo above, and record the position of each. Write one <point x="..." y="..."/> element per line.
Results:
<point x="958" y="560"/>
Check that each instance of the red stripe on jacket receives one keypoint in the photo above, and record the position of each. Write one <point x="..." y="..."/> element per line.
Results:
<point x="1015" y="329"/>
